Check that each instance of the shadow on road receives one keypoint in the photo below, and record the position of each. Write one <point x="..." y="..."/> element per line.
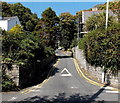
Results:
<point x="63" y="98"/>
<point x="55" y="71"/>
<point x="93" y="97"/>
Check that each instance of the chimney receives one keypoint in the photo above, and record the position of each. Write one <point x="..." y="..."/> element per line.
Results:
<point x="94" y="9"/>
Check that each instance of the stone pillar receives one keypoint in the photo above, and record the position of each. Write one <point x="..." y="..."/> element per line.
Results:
<point x="13" y="73"/>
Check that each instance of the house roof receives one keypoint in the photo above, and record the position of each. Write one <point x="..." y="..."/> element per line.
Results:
<point x="8" y="18"/>
<point x="100" y="10"/>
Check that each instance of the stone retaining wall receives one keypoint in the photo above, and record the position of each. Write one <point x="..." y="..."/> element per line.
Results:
<point x="13" y="73"/>
<point x="94" y="71"/>
<point x="24" y="76"/>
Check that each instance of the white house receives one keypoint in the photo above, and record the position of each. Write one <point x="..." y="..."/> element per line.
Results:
<point x="87" y="13"/>
<point x="6" y="23"/>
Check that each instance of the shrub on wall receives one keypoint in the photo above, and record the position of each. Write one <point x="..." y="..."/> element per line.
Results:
<point x="102" y="48"/>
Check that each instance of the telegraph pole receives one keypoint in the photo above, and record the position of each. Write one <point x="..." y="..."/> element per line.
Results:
<point x="106" y="25"/>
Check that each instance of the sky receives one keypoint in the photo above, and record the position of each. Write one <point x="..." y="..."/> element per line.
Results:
<point x="59" y="7"/>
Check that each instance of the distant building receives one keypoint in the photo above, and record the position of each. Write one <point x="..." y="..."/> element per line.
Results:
<point x="87" y="13"/>
<point x="115" y="0"/>
<point x="6" y="23"/>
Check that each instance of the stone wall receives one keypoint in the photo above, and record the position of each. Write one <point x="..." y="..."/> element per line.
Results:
<point x="92" y="70"/>
<point x="24" y="76"/>
<point x="13" y="73"/>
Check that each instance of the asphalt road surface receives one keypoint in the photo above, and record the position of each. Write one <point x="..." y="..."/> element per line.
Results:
<point x="64" y="85"/>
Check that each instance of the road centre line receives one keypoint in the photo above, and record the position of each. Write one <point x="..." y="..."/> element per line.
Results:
<point x="41" y="84"/>
<point x="91" y="81"/>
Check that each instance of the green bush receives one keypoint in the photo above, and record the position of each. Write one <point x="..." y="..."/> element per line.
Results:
<point x="81" y="43"/>
<point x="102" y="48"/>
<point x="74" y="43"/>
<point x="49" y="51"/>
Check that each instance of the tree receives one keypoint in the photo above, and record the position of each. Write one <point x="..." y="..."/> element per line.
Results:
<point x="98" y="22"/>
<point x="24" y="14"/>
<point x="29" y="26"/>
<point x="101" y="48"/>
<point x="48" y="27"/>
<point x="11" y="43"/>
<point x="6" y="10"/>
<point x="67" y="29"/>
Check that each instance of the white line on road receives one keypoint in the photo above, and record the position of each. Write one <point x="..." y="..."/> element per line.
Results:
<point x="107" y="87"/>
<point x="35" y="90"/>
<point x="74" y="87"/>
<point x="65" y="75"/>
<point x="13" y="98"/>
<point x="112" y="91"/>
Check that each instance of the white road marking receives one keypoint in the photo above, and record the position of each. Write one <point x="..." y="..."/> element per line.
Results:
<point x="107" y="87"/>
<point x="74" y="87"/>
<point x="68" y="73"/>
<point x="35" y="90"/>
<point x="13" y="98"/>
<point x="112" y="91"/>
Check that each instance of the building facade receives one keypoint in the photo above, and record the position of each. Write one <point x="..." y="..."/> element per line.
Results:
<point x="87" y="13"/>
<point x="6" y="23"/>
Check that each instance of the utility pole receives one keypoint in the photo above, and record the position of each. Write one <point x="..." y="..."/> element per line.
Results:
<point x="106" y="25"/>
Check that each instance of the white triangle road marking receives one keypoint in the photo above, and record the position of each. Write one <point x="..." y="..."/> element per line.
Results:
<point x="13" y="98"/>
<point x="68" y="73"/>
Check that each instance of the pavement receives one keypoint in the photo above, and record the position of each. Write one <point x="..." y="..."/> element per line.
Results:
<point x="65" y="84"/>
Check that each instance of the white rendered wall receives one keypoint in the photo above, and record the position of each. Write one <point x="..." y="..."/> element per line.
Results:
<point x="12" y="22"/>
<point x="4" y="24"/>
<point x="9" y="23"/>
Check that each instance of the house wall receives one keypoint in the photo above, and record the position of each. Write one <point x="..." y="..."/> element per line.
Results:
<point x="87" y="14"/>
<point x="4" y="24"/>
<point x="12" y="22"/>
<point x="9" y="23"/>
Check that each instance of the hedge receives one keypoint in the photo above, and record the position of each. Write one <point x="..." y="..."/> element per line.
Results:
<point x="102" y="48"/>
